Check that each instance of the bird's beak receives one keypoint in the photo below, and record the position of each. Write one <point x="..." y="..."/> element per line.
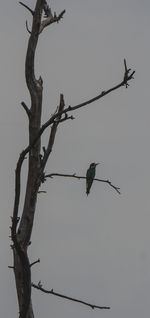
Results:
<point x="96" y="164"/>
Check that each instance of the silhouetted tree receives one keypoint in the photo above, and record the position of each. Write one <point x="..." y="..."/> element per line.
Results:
<point x="21" y="228"/>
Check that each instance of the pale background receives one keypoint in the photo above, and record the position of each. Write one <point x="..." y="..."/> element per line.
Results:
<point x="94" y="248"/>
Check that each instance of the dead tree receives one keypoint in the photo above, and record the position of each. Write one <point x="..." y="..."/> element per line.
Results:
<point x="21" y="228"/>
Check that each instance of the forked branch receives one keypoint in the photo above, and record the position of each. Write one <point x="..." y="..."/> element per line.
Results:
<point x="39" y="286"/>
<point x="51" y="175"/>
<point x="49" y="18"/>
<point x="57" y="115"/>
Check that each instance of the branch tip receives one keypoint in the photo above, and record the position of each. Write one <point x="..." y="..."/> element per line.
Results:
<point x="27" y="27"/>
<point x="38" y="261"/>
<point x="125" y="64"/>
<point x="39" y="286"/>
<point x="29" y="9"/>
<point x="28" y="112"/>
<point x="127" y="76"/>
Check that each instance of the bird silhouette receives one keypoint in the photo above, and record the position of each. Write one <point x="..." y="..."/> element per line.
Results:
<point x="90" y="174"/>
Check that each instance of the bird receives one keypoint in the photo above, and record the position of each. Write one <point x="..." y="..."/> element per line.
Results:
<point x="90" y="174"/>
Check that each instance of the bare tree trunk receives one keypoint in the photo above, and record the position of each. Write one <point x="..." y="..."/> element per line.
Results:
<point x="22" y="268"/>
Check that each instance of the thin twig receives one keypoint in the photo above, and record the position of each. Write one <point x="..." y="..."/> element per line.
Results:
<point x="26" y="109"/>
<point x="51" y="175"/>
<point x="126" y="74"/>
<point x="39" y="286"/>
<point x="125" y="65"/>
<point x="27" y="27"/>
<point x="24" y="5"/>
<point x="42" y="191"/>
<point x="38" y="261"/>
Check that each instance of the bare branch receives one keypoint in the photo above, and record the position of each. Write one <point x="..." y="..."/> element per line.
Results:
<point x="42" y="192"/>
<point x="38" y="261"/>
<point x="39" y="286"/>
<point x="53" y="132"/>
<point x="69" y="109"/>
<point x="57" y="115"/>
<point x="125" y="65"/>
<point x="17" y="193"/>
<point x="59" y="17"/>
<point x="50" y="18"/>
<point x="24" y="5"/>
<point x="29" y="113"/>
<point x="47" y="10"/>
<point x="51" y="175"/>
<point x="127" y="77"/>
<point x="65" y="118"/>
<point x="27" y="27"/>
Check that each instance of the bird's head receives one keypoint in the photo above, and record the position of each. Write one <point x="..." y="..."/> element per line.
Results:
<point x="93" y="165"/>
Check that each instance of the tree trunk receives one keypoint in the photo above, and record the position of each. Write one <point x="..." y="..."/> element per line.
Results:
<point x="22" y="267"/>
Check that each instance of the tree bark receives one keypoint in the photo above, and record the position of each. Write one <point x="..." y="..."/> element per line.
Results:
<point x="22" y="268"/>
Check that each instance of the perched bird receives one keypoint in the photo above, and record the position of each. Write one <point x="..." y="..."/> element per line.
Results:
<point x="90" y="176"/>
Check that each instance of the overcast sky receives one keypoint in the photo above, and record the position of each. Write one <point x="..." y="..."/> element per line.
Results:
<point x="95" y="248"/>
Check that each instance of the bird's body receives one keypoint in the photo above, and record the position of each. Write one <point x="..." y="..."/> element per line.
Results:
<point x="90" y="175"/>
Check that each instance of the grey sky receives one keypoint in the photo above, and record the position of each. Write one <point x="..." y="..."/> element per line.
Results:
<point x="94" y="248"/>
